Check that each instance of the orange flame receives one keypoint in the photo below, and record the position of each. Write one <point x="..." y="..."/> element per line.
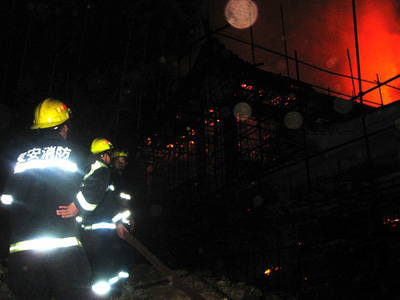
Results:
<point x="379" y="41"/>
<point x="321" y="32"/>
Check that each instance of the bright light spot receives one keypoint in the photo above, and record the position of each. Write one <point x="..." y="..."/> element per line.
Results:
<point x="293" y="120"/>
<point x="79" y="219"/>
<point x="46" y="163"/>
<point x="342" y="106"/>
<point x="6" y="199"/>
<point x="126" y="214"/>
<point x="103" y="225"/>
<point x="113" y="280"/>
<point x="44" y="244"/>
<point x="267" y="272"/>
<point x="123" y="274"/>
<point x="241" y="13"/>
<point x="242" y="111"/>
<point x="121" y="216"/>
<point x="125" y="196"/>
<point x="101" y="288"/>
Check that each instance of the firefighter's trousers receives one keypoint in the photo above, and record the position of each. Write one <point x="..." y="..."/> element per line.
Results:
<point x="62" y="274"/>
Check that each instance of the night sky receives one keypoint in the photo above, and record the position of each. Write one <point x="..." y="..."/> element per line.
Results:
<point x="98" y="57"/>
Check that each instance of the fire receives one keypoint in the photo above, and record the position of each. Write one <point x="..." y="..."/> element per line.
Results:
<point x="380" y="42"/>
<point x="393" y="222"/>
<point x="333" y="33"/>
<point x="321" y="33"/>
<point x="269" y="271"/>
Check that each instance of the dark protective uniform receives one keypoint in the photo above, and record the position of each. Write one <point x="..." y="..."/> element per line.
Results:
<point x="125" y="203"/>
<point x="101" y="211"/>
<point x="46" y="256"/>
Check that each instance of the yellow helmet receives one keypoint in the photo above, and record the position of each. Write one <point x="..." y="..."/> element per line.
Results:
<point x="119" y="153"/>
<point x="50" y="113"/>
<point x="100" y="145"/>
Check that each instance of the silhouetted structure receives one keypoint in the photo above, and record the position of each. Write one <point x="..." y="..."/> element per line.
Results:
<point x="263" y="177"/>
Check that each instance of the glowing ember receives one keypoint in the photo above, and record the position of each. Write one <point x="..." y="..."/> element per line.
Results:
<point x="388" y="221"/>
<point x="241" y="13"/>
<point x="269" y="271"/>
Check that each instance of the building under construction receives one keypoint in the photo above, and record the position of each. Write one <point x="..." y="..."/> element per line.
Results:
<point x="264" y="178"/>
<point x="249" y="174"/>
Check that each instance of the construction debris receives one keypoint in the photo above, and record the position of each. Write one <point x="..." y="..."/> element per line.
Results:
<point x="146" y="282"/>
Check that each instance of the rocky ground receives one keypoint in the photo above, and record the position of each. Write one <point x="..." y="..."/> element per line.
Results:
<point x="147" y="283"/>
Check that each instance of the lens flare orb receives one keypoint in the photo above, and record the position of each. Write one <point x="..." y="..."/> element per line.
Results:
<point x="342" y="106"/>
<point x="242" y="111"/>
<point x="293" y="120"/>
<point x="241" y="14"/>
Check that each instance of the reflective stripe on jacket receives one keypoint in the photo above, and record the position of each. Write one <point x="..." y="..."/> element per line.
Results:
<point x="93" y="187"/>
<point x="44" y="244"/>
<point x="46" y="176"/>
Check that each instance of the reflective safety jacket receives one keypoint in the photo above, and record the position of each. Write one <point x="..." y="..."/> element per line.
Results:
<point x="108" y="254"/>
<point x="122" y="190"/>
<point x="94" y="187"/>
<point x="46" y="175"/>
<point x="98" y="201"/>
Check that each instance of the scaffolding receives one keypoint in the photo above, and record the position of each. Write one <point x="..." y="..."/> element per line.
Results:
<point x="279" y="170"/>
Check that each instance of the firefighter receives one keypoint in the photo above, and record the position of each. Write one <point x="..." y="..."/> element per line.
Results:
<point x="102" y="220"/>
<point x="123" y="189"/>
<point x="46" y="258"/>
<point x="119" y="159"/>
